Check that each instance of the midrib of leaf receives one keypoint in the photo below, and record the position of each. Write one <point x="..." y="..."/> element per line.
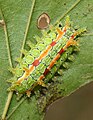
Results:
<point x="10" y="94"/>
<point x="25" y="36"/>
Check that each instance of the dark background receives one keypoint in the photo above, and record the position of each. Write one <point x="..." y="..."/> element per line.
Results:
<point x="77" y="106"/>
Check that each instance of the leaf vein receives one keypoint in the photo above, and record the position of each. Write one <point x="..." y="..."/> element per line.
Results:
<point x="28" y="25"/>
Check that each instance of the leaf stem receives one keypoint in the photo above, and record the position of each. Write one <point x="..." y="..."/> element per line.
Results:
<point x="67" y="11"/>
<point x="10" y="62"/>
<point x="28" y="25"/>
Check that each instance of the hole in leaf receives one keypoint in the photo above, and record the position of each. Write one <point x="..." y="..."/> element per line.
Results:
<point x="43" y="21"/>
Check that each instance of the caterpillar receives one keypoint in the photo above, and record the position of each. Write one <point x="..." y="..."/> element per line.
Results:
<point x="44" y="59"/>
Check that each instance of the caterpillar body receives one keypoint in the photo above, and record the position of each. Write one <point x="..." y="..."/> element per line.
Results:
<point x="45" y="58"/>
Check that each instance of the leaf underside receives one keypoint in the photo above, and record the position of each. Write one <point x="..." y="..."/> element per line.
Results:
<point x="16" y="15"/>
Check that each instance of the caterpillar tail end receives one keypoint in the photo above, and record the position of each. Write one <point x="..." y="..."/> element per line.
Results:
<point x="12" y="70"/>
<point x="12" y="88"/>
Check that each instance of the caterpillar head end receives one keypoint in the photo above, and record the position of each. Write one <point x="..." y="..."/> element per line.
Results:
<point x="82" y="30"/>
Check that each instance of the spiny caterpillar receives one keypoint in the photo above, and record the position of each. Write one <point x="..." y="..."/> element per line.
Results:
<point x="44" y="59"/>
